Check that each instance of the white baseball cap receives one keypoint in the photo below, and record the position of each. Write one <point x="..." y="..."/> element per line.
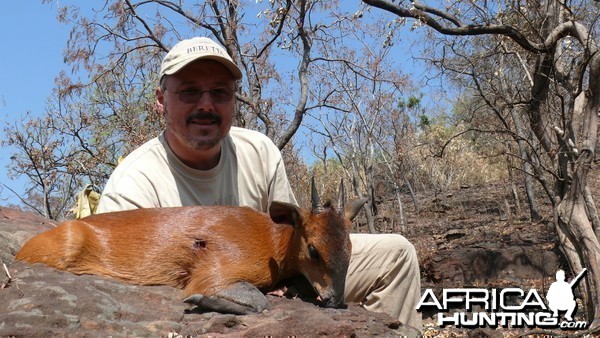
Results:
<point x="194" y="49"/>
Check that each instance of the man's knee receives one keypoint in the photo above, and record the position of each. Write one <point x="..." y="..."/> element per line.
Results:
<point x="384" y="276"/>
<point x="403" y="250"/>
<point x="392" y="253"/>
<point x="385" y="242"/>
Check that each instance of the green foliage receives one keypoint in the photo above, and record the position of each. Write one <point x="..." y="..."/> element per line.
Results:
<point x="424" y="121"/>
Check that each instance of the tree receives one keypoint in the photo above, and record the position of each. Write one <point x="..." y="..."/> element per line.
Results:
<point x="41" y="160"/>
<point x="557" y="43"/>
<point x="361" y="86"/>
<point x="270" y="99"/>
<point x="105" y="107"/>
<point x="79" y="139"/>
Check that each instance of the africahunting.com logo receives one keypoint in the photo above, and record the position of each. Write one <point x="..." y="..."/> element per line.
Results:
<point x="510" y="307"/>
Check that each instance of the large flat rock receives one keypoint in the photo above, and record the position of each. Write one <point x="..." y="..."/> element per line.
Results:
<point x="41" y="301"/>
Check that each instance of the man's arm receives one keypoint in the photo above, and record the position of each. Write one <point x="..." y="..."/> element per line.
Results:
<point x="279" y="187"/>
<point x="116" y="202"/>
<point x="126" y="191"/>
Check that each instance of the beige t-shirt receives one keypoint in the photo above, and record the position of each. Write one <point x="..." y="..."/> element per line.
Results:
<point x="250" y="172"/>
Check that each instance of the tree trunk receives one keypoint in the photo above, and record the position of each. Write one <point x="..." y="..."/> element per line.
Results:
<point x="592" y="211"/>
<point x="574" y="222"/>
<point x="572" y="211"/>
<point x="412" y="194"/>
<point x="527" y="170"/>
<point x="400" y="211"/>
<point x="530" y="192"/>
<point x="371" y="205"/>
<point x="575" y="264"/>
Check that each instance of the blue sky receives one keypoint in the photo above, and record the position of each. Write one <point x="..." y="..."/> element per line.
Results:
<point x="33" y="41"/>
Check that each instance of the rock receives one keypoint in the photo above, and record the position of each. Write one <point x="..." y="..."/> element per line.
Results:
<point x="15" y="228"/>
<point x="454" y="234"/>
<point x="486" y="263"/>
<point x="41" y="301"/>
<point x="484" y="333"/>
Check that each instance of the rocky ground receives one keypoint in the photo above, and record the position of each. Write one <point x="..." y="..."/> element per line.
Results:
<point x="478" y="237"/>
<point x="38" y="301"/>
<point x="469" y="237"/>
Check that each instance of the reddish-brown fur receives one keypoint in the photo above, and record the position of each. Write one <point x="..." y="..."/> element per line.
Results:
<point x="201" y="249"/>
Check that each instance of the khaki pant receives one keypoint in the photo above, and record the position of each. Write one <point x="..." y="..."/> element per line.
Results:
<point x="384" y="276"/>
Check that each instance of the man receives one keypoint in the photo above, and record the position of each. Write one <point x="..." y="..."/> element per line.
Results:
<point x="200" y="159"/>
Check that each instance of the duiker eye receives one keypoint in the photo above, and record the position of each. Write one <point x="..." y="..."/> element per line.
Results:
<point x="312" y="251"/>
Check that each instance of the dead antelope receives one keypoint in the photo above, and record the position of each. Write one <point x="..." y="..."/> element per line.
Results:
<point x="223" y="257"/>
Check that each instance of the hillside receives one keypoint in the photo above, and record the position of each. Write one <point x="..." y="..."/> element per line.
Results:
<point x="476" y="237"/>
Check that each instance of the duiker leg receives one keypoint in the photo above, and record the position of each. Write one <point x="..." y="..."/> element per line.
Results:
<point x="240" y="299"/>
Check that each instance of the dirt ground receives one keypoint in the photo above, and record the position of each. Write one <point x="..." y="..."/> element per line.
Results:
<point x="479" y="237"/>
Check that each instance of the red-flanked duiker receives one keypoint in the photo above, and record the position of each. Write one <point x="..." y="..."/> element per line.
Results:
<point x="223" y="257"/>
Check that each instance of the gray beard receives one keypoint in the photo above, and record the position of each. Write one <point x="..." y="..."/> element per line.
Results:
<point x="190" y="141"/>
<point x="201" y="145"/>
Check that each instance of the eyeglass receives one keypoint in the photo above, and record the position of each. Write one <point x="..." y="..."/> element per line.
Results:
<point x="193" y="95"/>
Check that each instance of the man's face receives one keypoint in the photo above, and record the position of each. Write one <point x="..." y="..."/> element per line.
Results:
<point x="198" y="105"/>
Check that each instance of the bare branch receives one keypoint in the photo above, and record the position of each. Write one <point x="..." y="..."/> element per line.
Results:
<point x="421" y="13"/>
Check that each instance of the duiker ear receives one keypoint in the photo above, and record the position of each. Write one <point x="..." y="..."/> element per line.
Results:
<point x="285" y="213"/>
<point x="353" y="208"/>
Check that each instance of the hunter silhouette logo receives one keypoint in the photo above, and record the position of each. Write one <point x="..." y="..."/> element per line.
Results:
<point x="560" y="295"/>
<point x="509" y="307"/>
